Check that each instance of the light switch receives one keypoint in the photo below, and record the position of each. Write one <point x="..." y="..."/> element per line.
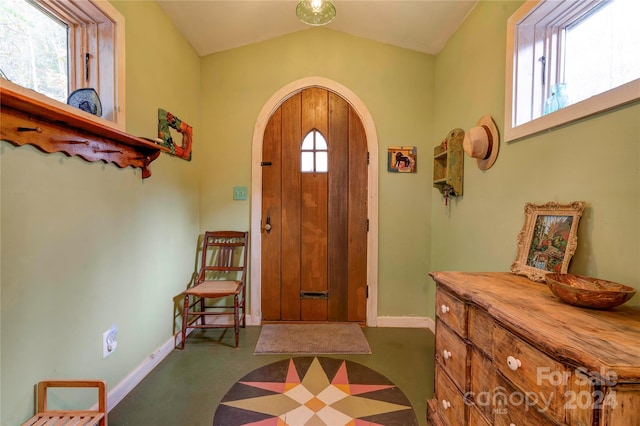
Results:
<point x="239" y="192"/>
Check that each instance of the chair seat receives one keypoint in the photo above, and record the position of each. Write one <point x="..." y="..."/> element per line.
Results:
<point x="215" y="288"/>
<point x="54" y="418"/>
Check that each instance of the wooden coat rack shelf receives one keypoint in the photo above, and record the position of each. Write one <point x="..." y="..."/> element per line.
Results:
<point x="448" y="164"/>
<point x="28" y="121"/>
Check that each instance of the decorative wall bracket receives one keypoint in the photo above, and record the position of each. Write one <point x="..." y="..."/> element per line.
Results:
<point x="28" y="121"/>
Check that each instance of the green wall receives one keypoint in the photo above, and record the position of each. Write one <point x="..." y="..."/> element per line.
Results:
<point x="396" y="85"/>
<point x="595" y="160"/>
<point x="88" y="245"/>
<point x="117" y="249"/>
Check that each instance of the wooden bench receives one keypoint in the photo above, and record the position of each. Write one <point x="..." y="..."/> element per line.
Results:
<point x="47" y="417"/>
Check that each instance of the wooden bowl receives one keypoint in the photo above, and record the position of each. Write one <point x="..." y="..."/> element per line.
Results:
<point x="588" y="292"/>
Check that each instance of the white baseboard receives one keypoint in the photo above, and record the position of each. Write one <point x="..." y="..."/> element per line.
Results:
<point x="122" y="389"/>
<point x="407" y="322"/>
<point x="399" y="322"/>
<point x="228" y="320"/>
<point x="252" y="321"/>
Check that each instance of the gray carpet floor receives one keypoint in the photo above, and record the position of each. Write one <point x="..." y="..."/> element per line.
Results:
<point x="186" y="387"/>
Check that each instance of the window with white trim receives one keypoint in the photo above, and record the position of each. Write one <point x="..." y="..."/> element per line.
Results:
<point x="569" y="59"/>
<point x="55" y="47"/>
<point x="314" y="154"/>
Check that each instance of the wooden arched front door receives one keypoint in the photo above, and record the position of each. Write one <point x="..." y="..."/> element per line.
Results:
<point x="314" y="211"/>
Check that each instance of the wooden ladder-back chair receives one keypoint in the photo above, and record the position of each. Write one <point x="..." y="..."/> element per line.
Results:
<point x="222" y="275"/>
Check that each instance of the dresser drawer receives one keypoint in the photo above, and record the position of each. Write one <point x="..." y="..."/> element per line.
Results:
<point x="531" y="371"/>
<point x="481" y="327"/>
<point x="514" y="409"/>
<point x="482" y="383"/>
<point x="476" y="419"/>
<point x="451" y="354"/>
<point x="580" y="399"/>
<point x="451" y="404"/>
<point x="621" y="405"/>
<point x="451" y="311"/>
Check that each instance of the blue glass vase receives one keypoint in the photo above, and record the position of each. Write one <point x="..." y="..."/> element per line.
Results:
<point x="561" y="95"/>
<point x="551" y="104"/>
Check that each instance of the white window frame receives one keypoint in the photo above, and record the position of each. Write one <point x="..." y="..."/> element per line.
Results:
<point x="96" y="29"/>
<point x="530" y="13"/>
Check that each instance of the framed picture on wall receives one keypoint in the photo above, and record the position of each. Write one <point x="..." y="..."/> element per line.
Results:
<point x="402" y="159"/>
<point x="548" y="239"/>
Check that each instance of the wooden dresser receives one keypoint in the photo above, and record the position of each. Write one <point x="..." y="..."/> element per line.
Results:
<point x="508" y="352"/>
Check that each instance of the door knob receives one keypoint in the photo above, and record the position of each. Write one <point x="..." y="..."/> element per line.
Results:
<point x="267" y="225"/>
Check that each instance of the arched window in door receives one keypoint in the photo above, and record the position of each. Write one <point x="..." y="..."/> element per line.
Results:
<point x="314" y="155"/>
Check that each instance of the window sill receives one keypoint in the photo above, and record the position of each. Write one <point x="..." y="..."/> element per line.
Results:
<point x="27" y="120"/>
<point x="614" y="98"/>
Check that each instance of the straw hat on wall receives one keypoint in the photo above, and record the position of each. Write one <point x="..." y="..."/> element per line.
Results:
<point x="482" y="142"/>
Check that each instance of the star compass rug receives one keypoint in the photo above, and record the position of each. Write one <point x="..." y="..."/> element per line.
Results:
<point x="314" y="391"/>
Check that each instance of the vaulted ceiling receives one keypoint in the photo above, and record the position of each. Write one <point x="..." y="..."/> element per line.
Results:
<point x="216" y="25"/>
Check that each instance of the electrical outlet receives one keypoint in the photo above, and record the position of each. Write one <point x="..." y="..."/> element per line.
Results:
<point x="109" y="343"/>
<point x="240" y="192"/>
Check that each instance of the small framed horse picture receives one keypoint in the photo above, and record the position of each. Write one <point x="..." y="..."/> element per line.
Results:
<point x="402" y="159"/>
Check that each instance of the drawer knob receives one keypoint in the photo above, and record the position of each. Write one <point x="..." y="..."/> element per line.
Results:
<point x="446" y="354"/>
<point x="512" y="424"/>
<point x="444" y="309"/>
<point x="513" y="363"/>
<point x="446" y="404"/>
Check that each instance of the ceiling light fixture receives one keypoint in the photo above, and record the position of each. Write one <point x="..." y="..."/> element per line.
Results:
<point x="316" y="12"/>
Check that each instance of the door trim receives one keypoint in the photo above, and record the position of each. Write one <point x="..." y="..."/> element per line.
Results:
<point x="269" y="107"/>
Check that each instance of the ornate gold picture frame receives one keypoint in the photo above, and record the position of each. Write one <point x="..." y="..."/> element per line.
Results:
<point x="548" y="239"/>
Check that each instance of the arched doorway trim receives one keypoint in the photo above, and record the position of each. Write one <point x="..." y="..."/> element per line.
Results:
<point x="256" y="190"/>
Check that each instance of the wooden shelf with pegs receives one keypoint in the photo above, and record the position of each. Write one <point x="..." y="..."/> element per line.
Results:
<point x="29" y="121"/>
